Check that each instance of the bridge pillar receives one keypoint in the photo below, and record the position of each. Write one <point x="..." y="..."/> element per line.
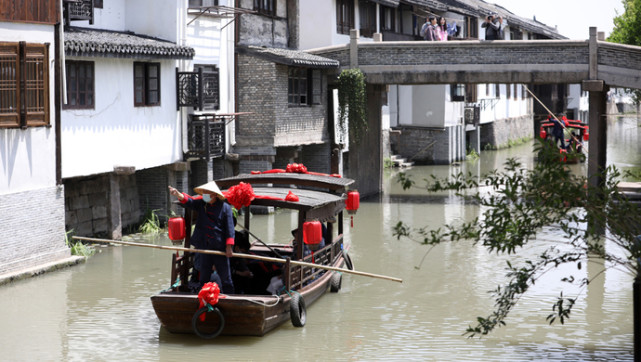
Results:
<point x="597" y="115"/>
<point x="597" y="156"/>
<point x="365" y="157"/>
<point x="353" y="48"/>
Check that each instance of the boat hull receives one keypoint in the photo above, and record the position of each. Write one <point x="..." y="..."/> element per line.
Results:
<point x="244" y="315"/>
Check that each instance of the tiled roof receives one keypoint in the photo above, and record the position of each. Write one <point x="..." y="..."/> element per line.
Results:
<point x="390" y="3"/>
<point x="289" y="57"/>
<point x="105" y="43"/>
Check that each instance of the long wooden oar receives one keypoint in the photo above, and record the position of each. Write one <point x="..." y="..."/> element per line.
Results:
<point x="240" y="255"/>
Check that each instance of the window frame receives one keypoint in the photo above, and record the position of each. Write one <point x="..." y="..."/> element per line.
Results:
<point x="304" y="87"/>
<point x="345" y="16"/>
<point x="388" y="19"/>
<point x="146" y="80"/>
<point x="211" y="85"/>
<point x="457" y="92"/>
<point x="367" y="13"/>
<point x="28" y="88"/>
<point x="91" y="91"/>
<point x="265" y="7"/>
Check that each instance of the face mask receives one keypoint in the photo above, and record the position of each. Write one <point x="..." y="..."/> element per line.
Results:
<point x="207" y="198"/>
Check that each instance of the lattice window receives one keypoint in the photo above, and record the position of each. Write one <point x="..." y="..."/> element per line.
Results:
<point x="24" y="84"/>
<point x="199" y="89"/>
<point x="297" y="87"/>
<point x="211" y="88"/>
<point x="9" y="85"/>
<point x="188" y="89"/>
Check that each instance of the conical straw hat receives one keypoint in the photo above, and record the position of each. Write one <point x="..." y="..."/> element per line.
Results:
<point x="209" y="187"/>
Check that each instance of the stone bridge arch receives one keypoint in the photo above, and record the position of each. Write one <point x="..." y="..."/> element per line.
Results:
<point x="595" y="64"/>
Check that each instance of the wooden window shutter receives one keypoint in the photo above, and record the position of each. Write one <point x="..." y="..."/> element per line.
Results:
<point x="36" y="86"/>
<point x="9" y="85"/>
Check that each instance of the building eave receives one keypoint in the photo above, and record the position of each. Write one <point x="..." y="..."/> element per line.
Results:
<point x="106" y="43"/>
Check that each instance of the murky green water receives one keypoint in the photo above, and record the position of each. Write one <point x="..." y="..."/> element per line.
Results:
<point x="100" y="311"/>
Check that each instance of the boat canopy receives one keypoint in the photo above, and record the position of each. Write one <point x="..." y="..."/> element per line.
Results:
<point x="336" y="184"/>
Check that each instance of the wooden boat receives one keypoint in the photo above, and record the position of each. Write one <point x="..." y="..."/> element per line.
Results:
<point x="574" y="151"/>
<point x="321" y="198"/>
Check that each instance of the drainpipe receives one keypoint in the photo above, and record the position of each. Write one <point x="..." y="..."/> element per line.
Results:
<point x="57" y="100"/>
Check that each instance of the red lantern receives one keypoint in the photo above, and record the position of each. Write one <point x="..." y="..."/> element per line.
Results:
<point x="543" y="134"/>
<point x="586" y="136"/>
<point x="176" y="228"/>
<point x="312" y="234"/>
<point x="352" y="204"/>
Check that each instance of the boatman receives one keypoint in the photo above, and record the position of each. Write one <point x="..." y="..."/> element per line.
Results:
<point x="214" y="231"/>
<point x="557" y="131"/>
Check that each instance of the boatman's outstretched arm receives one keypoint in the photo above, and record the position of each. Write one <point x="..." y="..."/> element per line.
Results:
<point x="179" y="195"/>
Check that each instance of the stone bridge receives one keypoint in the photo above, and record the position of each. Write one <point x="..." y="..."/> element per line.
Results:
<point x="509" y="61"/>
<point x="596" y="65"/>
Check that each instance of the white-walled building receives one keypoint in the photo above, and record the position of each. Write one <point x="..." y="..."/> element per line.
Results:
<point x="146" y="84"/>
<point x="31" y="194"/>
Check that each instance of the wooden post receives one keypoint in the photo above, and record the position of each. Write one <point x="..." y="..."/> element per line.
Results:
<point x="114" y="207"/>
<point x="288" y="274"/>
<point x="636" y="308"/>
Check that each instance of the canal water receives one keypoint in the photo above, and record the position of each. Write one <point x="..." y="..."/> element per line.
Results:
<point x="100" y="310"/>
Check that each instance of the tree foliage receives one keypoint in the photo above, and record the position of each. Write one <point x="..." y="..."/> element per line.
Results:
<point x="627" y="30"/>
<point x="517" y="203"/>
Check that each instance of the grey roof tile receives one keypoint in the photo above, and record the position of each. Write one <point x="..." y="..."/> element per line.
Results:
<point x="289" y="57"/>
<point x="105" y="43"/>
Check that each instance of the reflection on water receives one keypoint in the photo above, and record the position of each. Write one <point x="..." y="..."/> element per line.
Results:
<point x="101" y="310"/>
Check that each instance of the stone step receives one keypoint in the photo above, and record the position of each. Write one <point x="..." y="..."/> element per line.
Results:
<point x="398" y="161"/>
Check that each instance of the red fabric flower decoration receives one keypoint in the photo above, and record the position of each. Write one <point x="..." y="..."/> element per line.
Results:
<point x="296" y="168"/>
<point x="208" y="295"/>
<point x="240" y="195"/>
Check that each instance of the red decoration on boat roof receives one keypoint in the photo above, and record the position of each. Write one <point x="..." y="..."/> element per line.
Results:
<point x="291" y="197"/>
<point x="240" y="195"/>
<point x="243" y="194"/>
<point x="295" y="168"/>
<point x="208" y="294"/>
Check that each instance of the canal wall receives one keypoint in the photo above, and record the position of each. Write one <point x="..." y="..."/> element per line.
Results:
<point x="34" y="231"/>
<point x="89" y="204"/>
<point x="429" y="146"/>
<point x="499" y="133"/>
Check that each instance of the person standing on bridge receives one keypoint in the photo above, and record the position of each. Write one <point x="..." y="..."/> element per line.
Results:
<point x="428" y="31"/>
<point x="441" y="29"/>
<point x="493" y="27"/>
